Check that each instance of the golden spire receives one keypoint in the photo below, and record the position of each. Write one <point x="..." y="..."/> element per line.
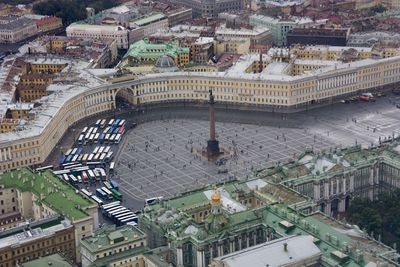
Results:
<point x="216" y="197"/>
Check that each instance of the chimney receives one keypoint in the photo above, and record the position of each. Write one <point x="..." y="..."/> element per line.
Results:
<point x="261" y="62"/>
<point x="285" y="247"/>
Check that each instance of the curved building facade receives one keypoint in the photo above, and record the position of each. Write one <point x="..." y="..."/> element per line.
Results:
<point x="237" y="89"/>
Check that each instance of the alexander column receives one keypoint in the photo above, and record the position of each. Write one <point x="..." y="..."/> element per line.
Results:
<point x="212" y="144"/>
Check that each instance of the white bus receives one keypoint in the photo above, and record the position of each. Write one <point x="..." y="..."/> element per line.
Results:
<point x="112" y="166"/>
<point x="81" y="139"/>
<point x="101" y="149"/>
<point x="85" y="157"/>
<point x="90" y="130"/>
<point x="87" y="136"/>
<point x="74" y="159"/>
<point x="97" y="200"/>
<point x="98" y="122"/>
<point x="66" y="177"/>
<point x="48" y="167"/>
<point x="96" y="149"/>
<point x="107" y="149"/>
<point x="94" y="130"/>
<point x="86" y="192"/>
<point x="110" y="205"/>
<point x="96" y="138"/>
<point x="73" y="152"/>
<point x="109" y="156"/>
<point x="91" y="138"/>
<point x="121" y="123"/>
<point x="106" y="130"/>
<point x="108" y="192"/>
<point x="107" y="138"/>
<point x="80" y="157"/>
<point x="112" y="138"/>
<point x="111" y="122"/>
<point x="90" y="158"/>
<point x="84" y="130"/>
<point x="103" y="123"/>
<point x="153" y="200"/>
<point x="91" y="175"/>
<point x="107" y="184"/>
<point x="68" y="152"/>
<point x="96" y="157"/>
<point x="102" y="156"/>
<point x="117" y="138"/>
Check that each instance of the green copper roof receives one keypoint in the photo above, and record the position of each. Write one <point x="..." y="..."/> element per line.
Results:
<point x="54" y="260"/>
<point x="148" y="19"/>
<point x="143" y="48"/>
<point x="50" y="190"/>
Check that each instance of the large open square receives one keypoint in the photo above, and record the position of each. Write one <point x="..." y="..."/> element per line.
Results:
<point x="156" y="159"/>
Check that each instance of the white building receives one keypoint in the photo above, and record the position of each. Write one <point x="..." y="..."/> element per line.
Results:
<point x="15" y="30"/>
<point x="100" y="32"/>
<point x="258" y="35"/>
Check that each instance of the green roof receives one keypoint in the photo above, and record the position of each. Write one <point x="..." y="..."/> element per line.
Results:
<point x="144" y="48"/>
<point x="148" y="19"/>
<point x="55" y="260"/>
<point x="50" y="190"/>
<point x="101" y="238"/>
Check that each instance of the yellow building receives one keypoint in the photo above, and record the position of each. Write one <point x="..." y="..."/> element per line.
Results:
<point x="31" y="92"/>
<point x="8" y="125"/>
<point x="47" y="66"/>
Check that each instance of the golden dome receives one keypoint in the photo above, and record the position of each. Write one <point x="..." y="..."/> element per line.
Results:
<point x="216" y="198"/>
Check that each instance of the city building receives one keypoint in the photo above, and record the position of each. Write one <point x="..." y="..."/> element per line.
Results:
<point x="287" y="251"/>
<point x="209" y="8"/>
<point x="236" y="222"/>
<point x="257" y="35"/>
<point x="202" y="49"/>
<point x="37" y="196"/>
<point x="104" y="33"/>
<point x="39" y="239"/>
<point x="16" y="29"/>
<point x="178" y="16"/>
<point x="315" y="36"/>
<point x="281" y="26"/>
<point x="149" y="24"/>
<point x="54" y="260"/>
<point x="111" y="246"/>
<point x="272" y="87"/>
<point x="8" y="125"/>
<point x="145" y="53"/>
<point x="120" y="15"/>
<point x="48" y="23"/>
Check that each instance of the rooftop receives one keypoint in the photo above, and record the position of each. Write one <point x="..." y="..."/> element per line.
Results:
<point x="55" y="260"/>
<point x="50" y="190"/>
<point x="110" y="236"/>
<point x="298" y="248"/>
<point x="149" y="19"/>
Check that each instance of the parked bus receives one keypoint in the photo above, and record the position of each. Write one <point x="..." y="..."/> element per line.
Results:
<point x="97" y="200"/>
<point x="95" y="164"/>
<point x="72" y="166"/>
<point x="74" y="151"/>
<point x="81" y="139"/>
<point x="86" y="192"/>
<point x="101" y="149"/>
<point x="67" y="164"/>
<point x="84" y="130"/>
<point x="68" y="152"/>
<point x="117" y="195"/>
<point x="106" y="130"/>
<point x="96" y="157"/>
<point x="112" y="138"/>
<point x="90" y="158"/>
<point x="66" y="177"/>
<point x="73" y="180"/>
<point x="107" y="149"/>
<point x="107" y="138"/>
<point x="108" y="192"/>
<point x="75" y="158"/>
<point x="91" y="138"/>
<point x="112" y="213"/>
<point x="132" y="220"/>
<point x="111" y="204"/>
<point x="85" y="157"/>
<point x="117" y="139"/>
<point x="80" y="157"/>
<point x="122" y="123"/>
<point x="121" y="130"/>
<point x="96" y="138"/>
<point x="91" y="175"/>
<point x="112" y="166"/>
<point x="98" y="122"/>
<point x="94" y="130"/>
<point x="62" y="160"/>
<point x="114" y="184"/>
<point x="102" y="173"/>
<point x="103" y="123"/>
<point x="61" y="172"/>
<point x="101" y="138"/>
<point x="48" y="167"/>
<point x="85" y="177"/>
<point x="111" y="130"/>
<point x="107" y="184"/>
<point x="111" y="122"/>
<point x="116" y="122"/>
<point x="102" y="156"/>
<point x="122" y="215"/>
<point x="101" y="194"/>
<point x="90" y="130"/>
<point x="111" y="209"/>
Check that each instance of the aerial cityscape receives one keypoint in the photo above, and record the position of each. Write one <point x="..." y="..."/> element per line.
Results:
<point x="199" y="133"/>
